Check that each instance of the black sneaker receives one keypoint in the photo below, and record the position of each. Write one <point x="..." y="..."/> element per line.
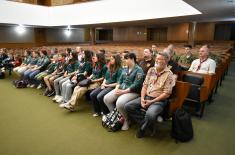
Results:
<point x="45" y="93"/>
<point x="140" y="133"/>
<point x="51" y="93"/>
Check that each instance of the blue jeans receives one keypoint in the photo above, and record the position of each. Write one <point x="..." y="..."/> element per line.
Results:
<point x="145" y="117"/>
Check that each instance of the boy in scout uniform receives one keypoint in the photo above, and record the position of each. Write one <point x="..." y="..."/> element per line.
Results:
<point x="186" y="59"/>
<point x="127" y="88"/>
<point x="156" y="89"/>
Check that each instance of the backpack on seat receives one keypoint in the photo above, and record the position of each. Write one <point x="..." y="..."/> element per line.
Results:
<point x="182" y="129"/>
<point x="113" y="121"/>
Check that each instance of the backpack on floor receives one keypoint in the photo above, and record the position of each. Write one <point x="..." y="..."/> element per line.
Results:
<point x="113" y="121"/>
<point x="182" y="129"/>
<point x="20" y="83"/>
<point x="2" y="75"/>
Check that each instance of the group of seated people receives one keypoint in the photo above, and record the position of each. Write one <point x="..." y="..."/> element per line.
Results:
<point x="8" y="61"/>
<point x="139" y="90"/>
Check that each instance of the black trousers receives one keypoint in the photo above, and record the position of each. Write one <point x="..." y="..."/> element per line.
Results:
<point x="97" y="96"/>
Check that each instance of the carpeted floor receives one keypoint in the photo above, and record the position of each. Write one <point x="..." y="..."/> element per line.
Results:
<point x="31" y="124"/>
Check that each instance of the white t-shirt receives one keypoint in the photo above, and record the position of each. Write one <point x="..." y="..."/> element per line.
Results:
<point x="207" y="67"/>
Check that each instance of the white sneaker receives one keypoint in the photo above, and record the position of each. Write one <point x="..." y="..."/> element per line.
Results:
<point x="125" y="125"/>
<point x="62" y="105"/>
<point x="32" y="86"/>
<point x="39" y="86"/>
<point x="55" y="98"/>
<point x="159" y="119"/>
<point x="59" y="99"/>
<point x="96" y="115"/>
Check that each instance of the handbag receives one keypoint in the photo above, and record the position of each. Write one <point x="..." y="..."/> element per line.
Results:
<point x="80" y="77"/>
<point x="85" y="83"/>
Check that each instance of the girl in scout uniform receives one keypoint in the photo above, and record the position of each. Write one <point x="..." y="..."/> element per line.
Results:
<point x="98" y="71"/>
<point x="111" y="78"/>
<point x="127" y="89"/>
<point x="69" y="70"/>
<point x="84" y="69"/>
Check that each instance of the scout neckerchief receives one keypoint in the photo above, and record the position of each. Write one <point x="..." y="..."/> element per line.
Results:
<point x="199" y="66"/>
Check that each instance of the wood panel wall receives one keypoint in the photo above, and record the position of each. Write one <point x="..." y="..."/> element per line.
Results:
<point x="178" y="32"/>
<point x="205" y="31"/>
<point x="130" y="34"/>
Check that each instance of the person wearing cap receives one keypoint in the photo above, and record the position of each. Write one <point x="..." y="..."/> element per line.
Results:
<point x="156" y="89"/>
<point x="127" y="88"/>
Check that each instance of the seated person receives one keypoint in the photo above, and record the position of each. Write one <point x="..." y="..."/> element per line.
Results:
<point x="127" y="89"/>
<point x="172" y="64"/>
<point x="154" y="49"/>
<point x="98" y="70"/>
<point x="59" y="71"/>
<point x="203" y="64"/>
<point x="148" y="60"/>
<point x="123" y="59"/>
<point x="172" y="52"/>
<point x="17" y="61"/>
<point x="187" y="58"/>
<point x="69" y="71"/>
<point x="3" y="55"/>
<point x="3" y="59"/>
<point x="84" y="69"/>
<point x="31" y="65"/>
<point x="23" y="67"/>
<point x="50" y="69"/>
<point x="41" y="65"/>
<point x="156" y="89"/>
<point x="111" y="78"/>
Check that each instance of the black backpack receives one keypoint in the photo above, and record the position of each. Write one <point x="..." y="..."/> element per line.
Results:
<point x="2" y="74"/>
<point x="182" y="129"/>
<point x="113" y="121"/>
<point x="20" y="83"/>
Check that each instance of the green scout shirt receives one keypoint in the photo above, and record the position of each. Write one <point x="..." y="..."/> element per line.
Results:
<point x="132" y="80"/>
<point x="186" y="60"/>
<point x="33" y="61"/>
<point x="71" y="67"/>
<point x="175" y="57"/>
<point x="114" y="77"/>
<point x="51" y="67"/>
<point x="45" y="62"/>
<point x="98" y="72"/>
<point x="27" y="60"/>
<point x="85" y="67"/>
